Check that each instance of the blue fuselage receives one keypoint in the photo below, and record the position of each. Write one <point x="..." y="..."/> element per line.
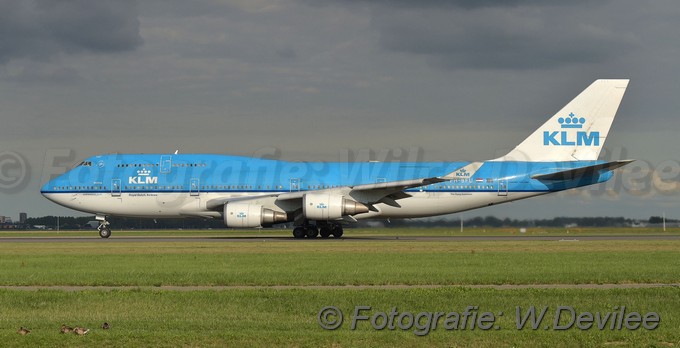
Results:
<point x="193" y="173"/>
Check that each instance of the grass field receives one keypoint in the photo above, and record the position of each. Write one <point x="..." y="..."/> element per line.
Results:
<point x="339" y="262"/>
<point x="288" y="317"/>
<point x="365" y="232"/>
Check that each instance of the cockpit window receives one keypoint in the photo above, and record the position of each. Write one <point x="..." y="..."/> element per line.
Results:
<point x="83" y="164"/>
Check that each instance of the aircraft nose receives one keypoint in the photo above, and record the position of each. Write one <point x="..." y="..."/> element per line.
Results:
<point x="49" y="189"/>
<point x="49" y="186"/>
<point x="44" y="189"/>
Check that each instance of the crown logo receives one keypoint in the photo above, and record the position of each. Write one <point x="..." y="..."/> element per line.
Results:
<point x="571" y="121"/>
<point x="143" y="172"/>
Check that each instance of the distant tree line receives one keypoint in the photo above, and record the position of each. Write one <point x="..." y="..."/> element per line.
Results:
<point x="86" y="222"/>
<point x="492" y="221"/>
<point x="660" y="219"/>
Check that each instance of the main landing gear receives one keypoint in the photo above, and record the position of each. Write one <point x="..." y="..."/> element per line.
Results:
<point x="104" y="230"/>
<point x="312" y="231"/>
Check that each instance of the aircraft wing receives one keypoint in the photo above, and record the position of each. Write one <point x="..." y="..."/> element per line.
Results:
<point x="369" y="193"/>
<point x="389" y="192"/>
<point x="577" y="173"/>
<point x="384" y="192"/>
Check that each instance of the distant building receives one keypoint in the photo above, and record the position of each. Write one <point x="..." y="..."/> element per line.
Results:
<point x="2" y="219"/>
<point x="22" y="218"/>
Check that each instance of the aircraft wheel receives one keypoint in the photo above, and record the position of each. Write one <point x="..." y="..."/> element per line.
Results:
<point x="337" y="231"/>
<point x="105" y="232"/>
<point x="312" y="231"/>
<point x="299" y="232"/>
<point x="326" y="231"/>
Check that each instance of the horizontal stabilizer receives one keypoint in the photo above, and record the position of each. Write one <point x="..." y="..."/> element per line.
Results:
<point x="577" y="173"/>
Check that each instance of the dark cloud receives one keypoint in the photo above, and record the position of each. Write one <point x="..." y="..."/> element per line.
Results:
<point x="455" y="3"/>
<point x="186" y="9"/>
<point x="497" y="34"/>
<point x="41" y="29"/>
<point x="500" y="38"/>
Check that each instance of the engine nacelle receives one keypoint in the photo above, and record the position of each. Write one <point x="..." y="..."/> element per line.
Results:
<point x="324" y="206"/>
<point x="243" y="215"/>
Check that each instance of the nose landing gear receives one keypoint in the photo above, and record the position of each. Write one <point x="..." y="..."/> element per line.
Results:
<point x="104" y="230"/>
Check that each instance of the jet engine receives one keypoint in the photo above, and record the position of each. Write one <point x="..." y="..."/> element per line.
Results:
<point x="243" y="215"/>
<point x="324" y="206"/>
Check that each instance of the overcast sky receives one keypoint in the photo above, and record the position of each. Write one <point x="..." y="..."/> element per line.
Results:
<point x="318" y="79"/>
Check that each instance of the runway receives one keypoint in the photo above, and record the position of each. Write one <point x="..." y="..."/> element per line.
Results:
<point x="251" y="239"/>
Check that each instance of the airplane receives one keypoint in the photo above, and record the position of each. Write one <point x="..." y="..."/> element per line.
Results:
<point x="319" y="198"/>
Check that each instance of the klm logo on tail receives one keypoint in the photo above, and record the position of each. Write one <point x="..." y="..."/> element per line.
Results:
<point x="567" y="138"/>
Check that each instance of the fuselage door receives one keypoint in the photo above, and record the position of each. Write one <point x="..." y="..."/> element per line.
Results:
<point x="194" y="188"/>
<point x="502" y="187"/>
<point x="115" y="188"/>
<point x="294" y="184"/>
<point x="166" y="164"/>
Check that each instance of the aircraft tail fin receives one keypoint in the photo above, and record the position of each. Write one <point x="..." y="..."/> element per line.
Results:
<point x="578" y="131"/>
